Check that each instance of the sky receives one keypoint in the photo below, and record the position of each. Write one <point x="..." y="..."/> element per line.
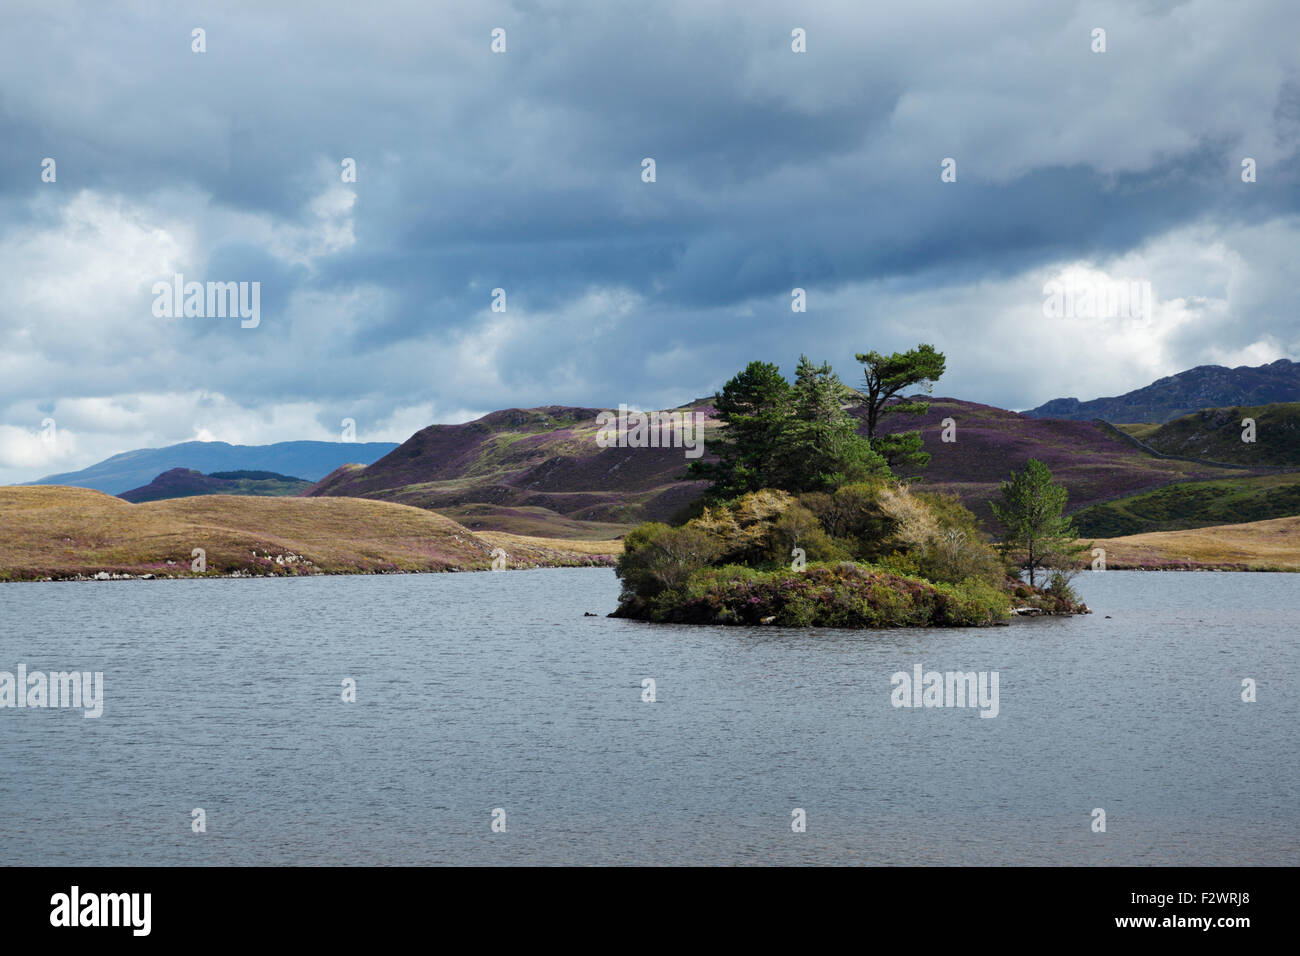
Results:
<point x="523" y="170"/>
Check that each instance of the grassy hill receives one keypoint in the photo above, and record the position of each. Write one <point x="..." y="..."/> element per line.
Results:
<point x="1215" y="434"/>
<point x="186" y="483"/>
<point x="1254" y="546"/>
<point x="528" y="471"/>
<point x="52" y="531"/>
<point x="1195" y="505"/>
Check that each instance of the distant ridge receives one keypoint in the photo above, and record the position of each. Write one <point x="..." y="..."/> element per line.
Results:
<point x="1206" y="386"/>
<point x="186" y="483"/>
<point x="311" y="460"/>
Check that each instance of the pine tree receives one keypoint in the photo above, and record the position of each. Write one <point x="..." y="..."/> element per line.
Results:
<point x="1031" y="511"/>
<point x="886" y="377"/>
<point x="755" y="406"/>
<point x="795" y="438"/>
<point x="823" y="447"/>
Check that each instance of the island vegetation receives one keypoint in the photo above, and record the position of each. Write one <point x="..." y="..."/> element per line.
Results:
<point x="804" y="522"/>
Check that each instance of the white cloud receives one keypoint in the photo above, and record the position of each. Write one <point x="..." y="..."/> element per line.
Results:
<point x="522" y="171"/>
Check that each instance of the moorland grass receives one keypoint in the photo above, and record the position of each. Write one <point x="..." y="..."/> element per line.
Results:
<point x="57" y="532"/>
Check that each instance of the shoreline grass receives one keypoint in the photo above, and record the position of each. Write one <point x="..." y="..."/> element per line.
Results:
<point x="1271" y="545"/>
<point x="50" y="532"/>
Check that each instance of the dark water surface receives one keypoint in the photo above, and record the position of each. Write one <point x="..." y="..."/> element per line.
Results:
<point x="478" y="691"/>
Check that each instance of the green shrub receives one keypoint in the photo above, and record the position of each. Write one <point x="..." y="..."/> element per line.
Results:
<point x="923" y="562"/>
<point x="1058" y="586"/>
<point x="901" y="563"/>
<point x="658" y="558"/>
<point x="797" y="527"/>
<point x="853" y="514"/>
<point x="824" y="595"/>
<point x="742" y="528"/>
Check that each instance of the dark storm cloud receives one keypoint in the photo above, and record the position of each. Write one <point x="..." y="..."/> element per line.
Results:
<point x="522" y="171"/>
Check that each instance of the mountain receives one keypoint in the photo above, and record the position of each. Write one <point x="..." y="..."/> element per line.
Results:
<point x="531" y="471"/>
<point x="1216" y="434"/>
<point x="1206" y="386"/>
<point x="186" y="483"/>
<point x="312" y="460"/>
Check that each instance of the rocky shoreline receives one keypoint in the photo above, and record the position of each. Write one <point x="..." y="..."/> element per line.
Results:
<point x="592" y="562"/>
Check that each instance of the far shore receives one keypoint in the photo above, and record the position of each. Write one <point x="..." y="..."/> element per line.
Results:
<point x="1272" y="545"/>
<point x="53" y="533"/>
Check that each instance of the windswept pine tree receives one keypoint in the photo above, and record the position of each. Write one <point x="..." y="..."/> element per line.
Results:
<point x="886" y="377"/>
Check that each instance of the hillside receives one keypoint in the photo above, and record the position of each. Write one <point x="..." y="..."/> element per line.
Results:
<point x="1206" y="386"/>
<point x="1092" y="462"/>
<point x="540" y="472"/>
<point x="1215" y="434"/>
<point x="186" y="483"/>
<point x="528" y="471"/>
<point x="1194" y="505"/>
<point x="50" y="531"/>
<point x="312" y="460"/>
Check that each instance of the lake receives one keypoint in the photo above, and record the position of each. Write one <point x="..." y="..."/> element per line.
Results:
<point x="491" y="690"/>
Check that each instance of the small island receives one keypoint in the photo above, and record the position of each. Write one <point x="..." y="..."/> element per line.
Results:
<point x="805" y="523"/>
